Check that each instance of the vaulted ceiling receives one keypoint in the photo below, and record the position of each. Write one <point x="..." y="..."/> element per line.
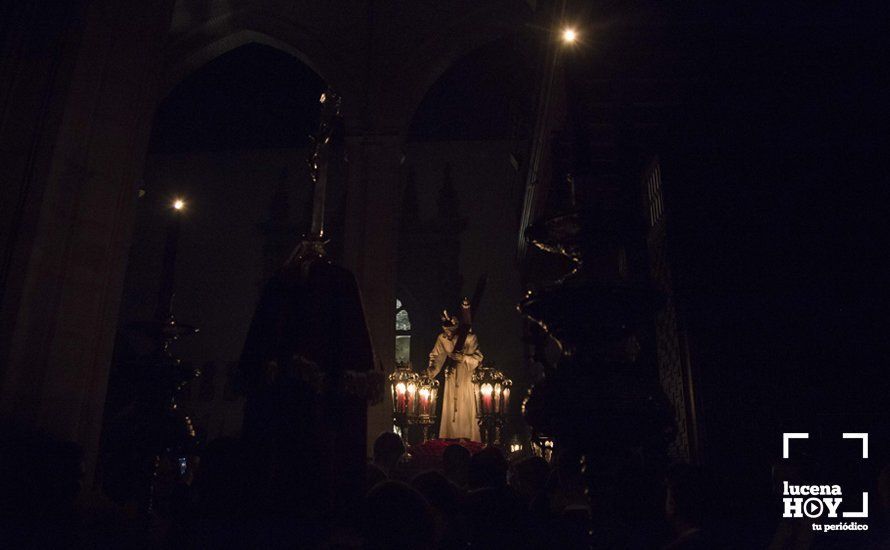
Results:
<point x="382" y="57"/>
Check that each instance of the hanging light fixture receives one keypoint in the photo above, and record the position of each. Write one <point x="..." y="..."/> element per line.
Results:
<point x="569" y="35"/>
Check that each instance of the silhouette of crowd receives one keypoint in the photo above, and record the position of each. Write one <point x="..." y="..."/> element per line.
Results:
<point x="480" y="500"/>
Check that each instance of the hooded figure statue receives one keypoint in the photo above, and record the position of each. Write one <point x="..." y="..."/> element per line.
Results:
<point x="305" y="366"/>
<point x="459" y="402"/>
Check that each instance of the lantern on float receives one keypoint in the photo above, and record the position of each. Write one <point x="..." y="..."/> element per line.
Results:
<point x="492" y="391"/>
<point x="424" y="413"/>
<point x="543" y="446"/>
<point x="403" y="384"/>
<point x="515" y="445"/>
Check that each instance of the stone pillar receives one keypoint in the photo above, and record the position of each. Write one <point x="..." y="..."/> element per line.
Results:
<point x="75" y="178"/>
<point x="370" y="245"/>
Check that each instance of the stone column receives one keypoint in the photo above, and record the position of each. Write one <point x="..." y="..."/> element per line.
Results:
<point x="370" y="244"/>
<point x="64" y="267"/>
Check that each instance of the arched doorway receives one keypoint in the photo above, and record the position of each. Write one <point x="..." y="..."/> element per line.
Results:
<point x="231" y="142"/>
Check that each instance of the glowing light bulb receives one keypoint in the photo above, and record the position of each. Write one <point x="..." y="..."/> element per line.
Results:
<point x="569" y="35"/>
<point x="178" y="204"/>
<point x="486" y="389"/>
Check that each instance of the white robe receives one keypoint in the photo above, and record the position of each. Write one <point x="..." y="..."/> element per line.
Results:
<point x="459" y="402"/>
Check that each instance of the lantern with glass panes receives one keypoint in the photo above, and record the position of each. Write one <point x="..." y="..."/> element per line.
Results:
<point x="492" y="391"/>
<point x="424" y="412"/>
<point x="403" y="383"/>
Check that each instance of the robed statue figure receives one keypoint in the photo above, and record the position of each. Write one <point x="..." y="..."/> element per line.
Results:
<point x="459" y="403"/>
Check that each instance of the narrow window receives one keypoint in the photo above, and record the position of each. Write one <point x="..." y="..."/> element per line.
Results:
<point x="403" y="334"/>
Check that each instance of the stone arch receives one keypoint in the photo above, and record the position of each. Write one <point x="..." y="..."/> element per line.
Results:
<point x="475" y="30"/>
<point x="224" y="33"/>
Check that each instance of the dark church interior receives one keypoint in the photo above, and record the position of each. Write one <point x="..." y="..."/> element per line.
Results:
<point x="369" y="274"/>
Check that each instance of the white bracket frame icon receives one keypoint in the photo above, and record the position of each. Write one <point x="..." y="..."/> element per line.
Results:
<point x="788" y="436"/>
<point x="863" y="437"/>
<point x="791" y="435"/>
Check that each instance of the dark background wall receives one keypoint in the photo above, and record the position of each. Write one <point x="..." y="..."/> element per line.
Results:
<point x="774" y="183"/>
